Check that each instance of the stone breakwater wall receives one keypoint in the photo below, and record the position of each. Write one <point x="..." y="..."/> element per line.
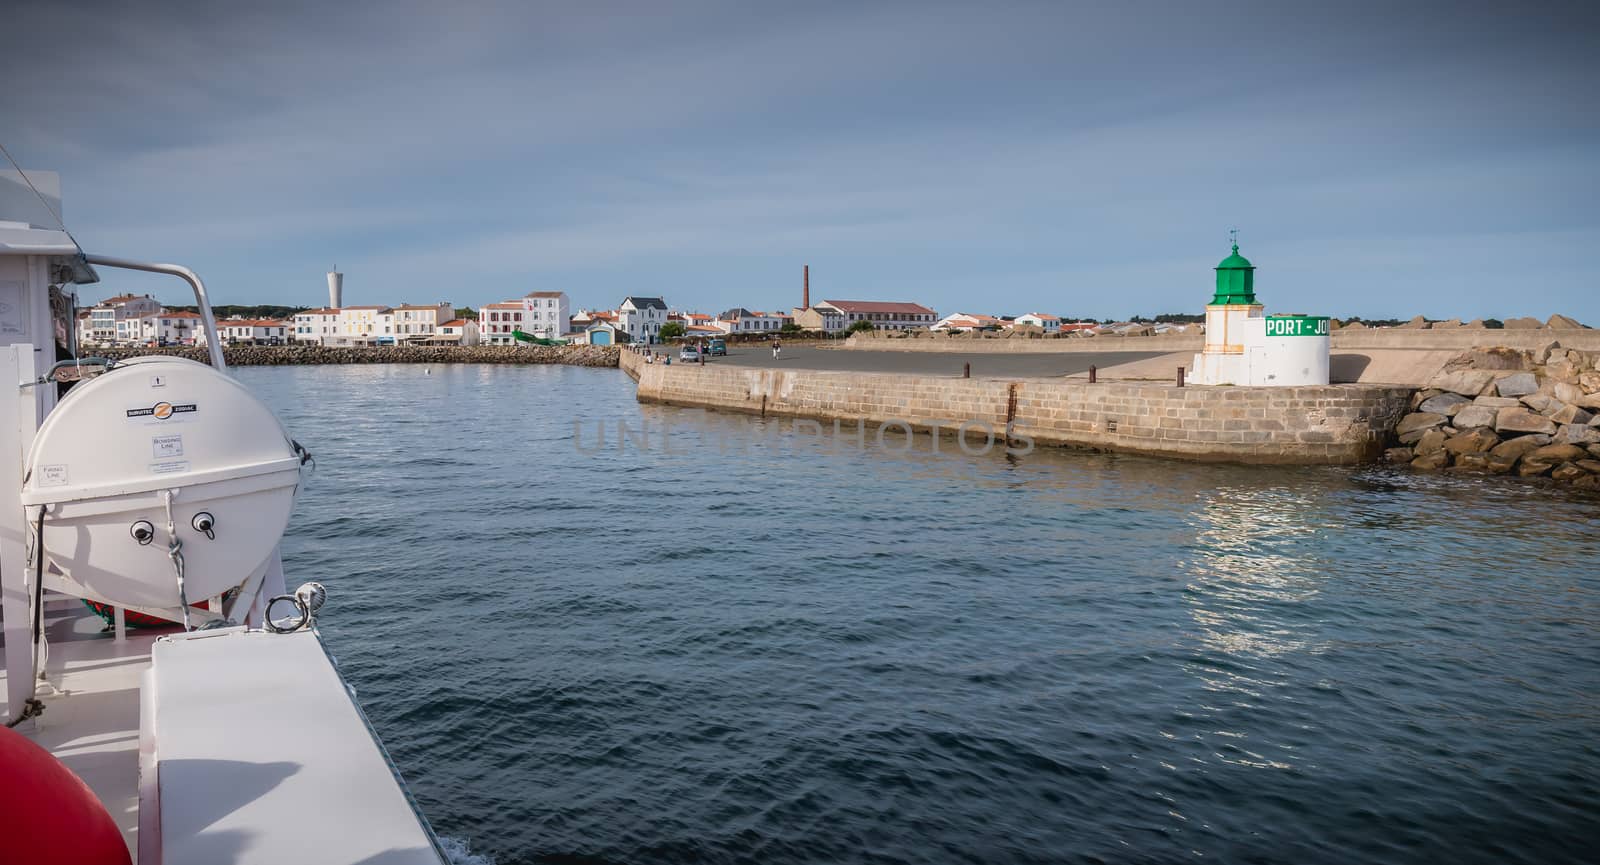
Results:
<point x="1535" y="413"/>
<point x="959" y="344"/>
<point x="261" y="355"/>
<point x="1345" y="338"/>
<point x="1339" y="424"/>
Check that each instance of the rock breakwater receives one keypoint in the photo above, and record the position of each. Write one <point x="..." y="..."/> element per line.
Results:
<point x="295" y="355"/>
<point x="1533" y="413"/>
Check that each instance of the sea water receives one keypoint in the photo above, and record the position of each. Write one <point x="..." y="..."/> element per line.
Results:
<point x="720" y="639"/>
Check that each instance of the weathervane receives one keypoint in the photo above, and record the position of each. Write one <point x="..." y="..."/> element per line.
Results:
<point x="1233" y="238"/>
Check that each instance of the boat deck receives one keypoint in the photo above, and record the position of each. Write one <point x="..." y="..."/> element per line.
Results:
<point x="95" y="732"/>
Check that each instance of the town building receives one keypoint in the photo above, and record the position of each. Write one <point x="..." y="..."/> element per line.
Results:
<point x="884" y="315"/>
<point x="820" y="319"/>
<point x="115" y="319"/>
<point x="248" y="331"/>
<point x="456" y="331"/>
<point x="498" y="322"/>
<point x="85" y="334"/>
<point x="317" y="326"/>
<point x="415" y="323"/>
<point x="1047" y="323"/>
<point x="169" y="328"/>
<point x="549" y="314"/>
<point x="365" y="325"/>
<point x="641" y="318"/>
<point x="964" y="321"/>
<point x="741" y="320"/>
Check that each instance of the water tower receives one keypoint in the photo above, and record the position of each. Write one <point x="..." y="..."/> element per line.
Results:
<point x="335" y="288"/>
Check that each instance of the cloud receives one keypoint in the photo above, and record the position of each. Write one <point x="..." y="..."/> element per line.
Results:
<point x="1045" y="157"/>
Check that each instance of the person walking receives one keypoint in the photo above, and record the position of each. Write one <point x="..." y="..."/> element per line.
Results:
<point x="776" y="347"/>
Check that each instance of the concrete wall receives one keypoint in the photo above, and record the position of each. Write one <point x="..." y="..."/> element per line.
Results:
<point x="310" y="355"/>
<point x="1586" y="339"/>
<point x="1406" y="338"/>
<point x="1337" y="424"/>
<point x="960" y="344"/>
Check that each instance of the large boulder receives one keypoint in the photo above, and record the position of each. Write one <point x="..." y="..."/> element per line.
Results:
<point x="1431" y="462"/>
<point x="1447" y="324"/>
<point x="1518" y="446"/>
<point x="1420" y="422"/>
<point x="1541" y="355"/>
<point x="1574" y="434"/>
<point x="1417" y="323"/>
<point x="1497" y="463"/>
<point x="1399" y="455"/>
<point x="1523" y="324"/>
<point x="1470" y="442"/>
<point x="1568" y="472"/>
<point x="1561" y="321"/>
<point x="1493" y="357"/>
<point x="1520" y="420"/>
<point x="1354" y="325"/>
<point x="1476" y="324"/>
<point x="1467" y="382"/>
<point x="1470" y="416"/>
<point x="1433" y="440"/>
<point x="1556" y="453"/>
<point x="1473" y="462"/>
<point x="1517" y="384"/>
<point x="1542" y="403"/>
<point x="1445" y="403"/>
<point x="1571" y="414"/>
<point x="1590" y="466"/>
<point x="1497" y="401"/>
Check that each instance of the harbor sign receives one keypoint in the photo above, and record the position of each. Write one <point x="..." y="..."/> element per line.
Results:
<point x="1297" y="325"/>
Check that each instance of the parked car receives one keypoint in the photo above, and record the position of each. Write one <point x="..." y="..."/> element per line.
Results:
<point x="718" y="348"/>
<point x="689" y="353"/>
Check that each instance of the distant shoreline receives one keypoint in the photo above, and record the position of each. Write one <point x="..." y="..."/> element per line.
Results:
<point x="312" y="355"/>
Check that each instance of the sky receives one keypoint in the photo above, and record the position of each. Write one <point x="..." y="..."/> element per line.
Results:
<point x="1081" y="159"/>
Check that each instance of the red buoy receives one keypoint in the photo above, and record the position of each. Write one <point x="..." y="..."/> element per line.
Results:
<point x="51" y="816"/>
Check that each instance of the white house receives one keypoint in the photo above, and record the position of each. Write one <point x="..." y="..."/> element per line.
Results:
<point x="642" y="317"/>
<point x="961" y="321"/>
<point x="316" y="325"/>
<point x="115" y="319"/>
<point x="366" y="324"/>
<point x="548" y="314"/>
<point x="741" y="320"/>
<point x="824" y="319"/>
<point x="884" y="315"/>
<point x="497" y="322"/>
<point x="457" y="331"/>
<point x="169" y="328"/>
<point x="1048" y="323"/>
<point x="414" y="323"/>
<point x="249" y="331"/>
<point x="85" y="328"/>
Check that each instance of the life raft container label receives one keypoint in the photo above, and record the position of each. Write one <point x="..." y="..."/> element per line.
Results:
<point x="161" y="412"/>
<point x="53" y="476"/>
<point x="170" y="467"/>
<point x="166" y="447"/>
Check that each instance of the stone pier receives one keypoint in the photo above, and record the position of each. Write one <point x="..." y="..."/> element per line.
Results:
<point x="1328" y="425"/>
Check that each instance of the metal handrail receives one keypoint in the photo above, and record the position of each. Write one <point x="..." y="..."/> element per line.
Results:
<point x="213" y="343"/>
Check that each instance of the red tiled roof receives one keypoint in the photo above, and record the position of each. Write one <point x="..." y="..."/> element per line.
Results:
<point x="455" y="322"/>
<point x="543" y="294"/>
<point x="1043" y="317"/>
<point x="891" y="307"/>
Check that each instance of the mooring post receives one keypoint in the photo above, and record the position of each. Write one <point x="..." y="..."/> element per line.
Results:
<point x="966" y="370"/>
<point x="1180" y="376"/>
<point x="1092" y="370"/>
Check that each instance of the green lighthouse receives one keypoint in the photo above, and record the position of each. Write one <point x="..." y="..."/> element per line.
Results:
<point x="1236" y="281"/>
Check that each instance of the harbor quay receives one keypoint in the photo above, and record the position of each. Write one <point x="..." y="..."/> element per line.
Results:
<point x="310" y="355"/>
<point x="1305" y="425"/>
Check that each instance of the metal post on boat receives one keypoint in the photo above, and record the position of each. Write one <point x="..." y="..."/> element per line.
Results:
<point x="209" y="321"/>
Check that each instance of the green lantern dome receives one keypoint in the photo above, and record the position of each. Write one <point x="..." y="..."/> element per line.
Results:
<point x="1236" y="281"/>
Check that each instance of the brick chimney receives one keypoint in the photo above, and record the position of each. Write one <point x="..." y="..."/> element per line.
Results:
<point x="805" y="291"/>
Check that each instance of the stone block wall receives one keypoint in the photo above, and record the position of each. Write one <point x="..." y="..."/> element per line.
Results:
<point x="1337" y="424"/>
